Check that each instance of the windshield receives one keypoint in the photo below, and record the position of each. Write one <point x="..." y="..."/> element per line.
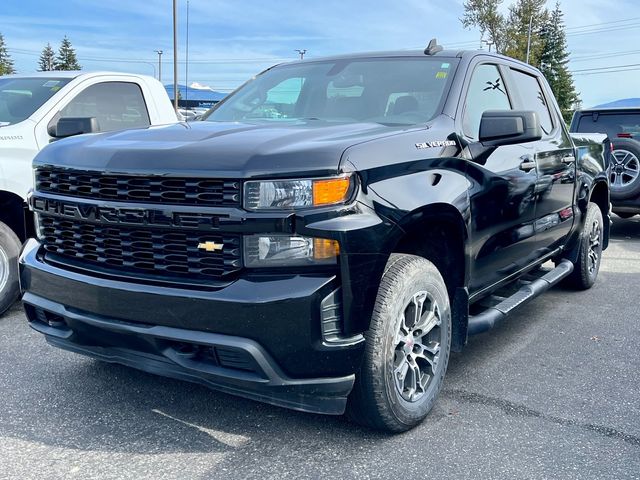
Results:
<point x="390" y="91"/>
<point x="621" y="125"/>
<point x="20" y="97"/>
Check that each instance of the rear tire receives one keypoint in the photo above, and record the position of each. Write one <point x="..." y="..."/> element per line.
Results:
<point x="586" y="269"/>
<point x="9" y="250"/>
<point x="407" y="347"/>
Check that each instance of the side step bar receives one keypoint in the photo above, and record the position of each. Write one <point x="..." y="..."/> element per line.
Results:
<point x="493" y="315"/>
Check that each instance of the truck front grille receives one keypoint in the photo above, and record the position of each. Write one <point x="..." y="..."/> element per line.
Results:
<point x="126" y="250"/>
<point x="138" y="188"/>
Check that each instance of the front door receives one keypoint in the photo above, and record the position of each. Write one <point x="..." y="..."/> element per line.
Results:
<point x="503" y="186"/>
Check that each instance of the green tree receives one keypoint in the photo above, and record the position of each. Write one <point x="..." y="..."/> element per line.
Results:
<point x="47" y="61"/>
<point x="553" y="63"/>
<point x="6" y="63"/>
<point x="517" y="30"/>
<point x="66" y="59"/>
<point x="486" y="16"/>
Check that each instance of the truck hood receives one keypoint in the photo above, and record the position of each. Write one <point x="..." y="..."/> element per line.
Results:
<point x="228" y="150"/>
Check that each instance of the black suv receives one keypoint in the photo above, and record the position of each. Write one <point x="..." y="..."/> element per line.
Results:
<point x="622" y="125"/>
<point x="324" y="239"/>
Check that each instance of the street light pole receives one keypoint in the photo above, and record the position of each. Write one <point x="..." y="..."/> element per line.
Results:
<point x="175" y="55"/>
<point x="159" y="52"/>
<point x="186" y="64"/>
<point x="301" y="52"/>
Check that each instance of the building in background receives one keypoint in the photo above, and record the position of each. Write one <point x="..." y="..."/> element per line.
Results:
<point x="195" y="97"/>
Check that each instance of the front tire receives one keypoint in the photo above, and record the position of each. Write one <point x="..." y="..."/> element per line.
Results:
<point x="586" y="269"/>
<point x="407" y="347"/>
<point x="9" y="251"/>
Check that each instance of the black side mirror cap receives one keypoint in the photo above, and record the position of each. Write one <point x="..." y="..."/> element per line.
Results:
<point x="508" y="127"/>
<point x="69" y="126"/>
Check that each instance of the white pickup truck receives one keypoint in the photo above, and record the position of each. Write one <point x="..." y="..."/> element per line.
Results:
<point x="37" y="109"/>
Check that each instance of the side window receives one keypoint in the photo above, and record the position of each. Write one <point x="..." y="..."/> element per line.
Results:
<point x="486" y="92"/>
<point x="116" y="106"/>
<point x="533" y="98"/>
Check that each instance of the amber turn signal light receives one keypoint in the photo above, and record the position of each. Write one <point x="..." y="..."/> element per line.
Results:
<point x="323" y="248"/>
<point x="330" y="191"/>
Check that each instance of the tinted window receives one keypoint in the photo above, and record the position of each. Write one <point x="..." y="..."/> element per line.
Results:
<point x="116" y="106"/>
<point x="533" y="98"/>
<point x="625" y="125"/>
<point x="389" y="91"/>
<point x="21" y="97"/>
<point x="486" y="92"/>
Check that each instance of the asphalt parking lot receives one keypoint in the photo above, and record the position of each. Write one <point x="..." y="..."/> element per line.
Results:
<point x="552" y="393"/>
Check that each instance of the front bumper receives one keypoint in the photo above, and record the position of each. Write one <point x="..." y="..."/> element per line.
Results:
<point x="259" y="338"/>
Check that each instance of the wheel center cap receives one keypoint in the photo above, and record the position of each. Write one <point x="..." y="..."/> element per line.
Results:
<point x="408" y="341"/>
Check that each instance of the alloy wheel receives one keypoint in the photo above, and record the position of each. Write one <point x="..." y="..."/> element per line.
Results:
<point x="624" y="170"/>
<point x="417" y="346"/>
<point x="595" y="233"/>
<point x="4" y="269"/>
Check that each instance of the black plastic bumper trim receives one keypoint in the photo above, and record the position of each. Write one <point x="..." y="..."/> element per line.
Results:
<point x="268" y="384"/>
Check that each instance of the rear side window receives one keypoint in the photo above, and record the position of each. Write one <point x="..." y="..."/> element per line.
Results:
<point x="486" y="92"/>
<point x="533" y="98"/>
<point x="116" y="106"/>
<point x="615" y="125"/>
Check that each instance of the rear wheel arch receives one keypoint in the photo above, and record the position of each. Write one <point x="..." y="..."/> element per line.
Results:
<point x="600" y="196"/>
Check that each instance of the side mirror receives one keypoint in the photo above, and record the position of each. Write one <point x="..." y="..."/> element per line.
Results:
<point x="69" y="126"/>
<point x="507" y="127"/>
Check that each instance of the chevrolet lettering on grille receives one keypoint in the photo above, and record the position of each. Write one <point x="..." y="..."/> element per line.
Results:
<point x="124" y="216"/>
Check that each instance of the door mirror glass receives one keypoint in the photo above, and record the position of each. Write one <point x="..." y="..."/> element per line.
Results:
<point x="507" y="127"/>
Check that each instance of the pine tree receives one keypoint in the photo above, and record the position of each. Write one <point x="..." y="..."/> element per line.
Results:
<point x="66" y="59"/>
<point x="47" y="61"/>
<point x="554" y="60"/>
<point x="6" y="63"/>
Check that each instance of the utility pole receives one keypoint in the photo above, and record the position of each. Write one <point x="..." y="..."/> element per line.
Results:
<point x="159" y="52"/>
<point x="301" y="52"/>
<point x="175" y="55"/>
<point x="529" y="38"/>
<point x="488" y="43"/>
<point x="186" y="64"/>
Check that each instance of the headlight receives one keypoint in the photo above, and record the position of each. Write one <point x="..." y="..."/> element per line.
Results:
<point x="288" y="251"/>
<point x="293" y="194"/>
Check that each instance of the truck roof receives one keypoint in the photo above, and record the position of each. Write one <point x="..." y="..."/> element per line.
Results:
<point x="462" y="54"/>
<point x="71" y="74"/>
<point x="608" y="109"/>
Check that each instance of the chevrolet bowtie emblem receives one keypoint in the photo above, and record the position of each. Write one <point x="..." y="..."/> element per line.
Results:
<point x="210" y="246"/>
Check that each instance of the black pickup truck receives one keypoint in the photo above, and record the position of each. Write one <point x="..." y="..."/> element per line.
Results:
<point x="326" y="237"/>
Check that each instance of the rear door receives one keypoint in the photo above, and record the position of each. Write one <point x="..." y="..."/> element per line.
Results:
<point x="555" y="160"/>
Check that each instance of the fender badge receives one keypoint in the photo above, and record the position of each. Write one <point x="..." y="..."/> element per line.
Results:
<point x="210" y="246"/>
<point x="435" y="144"/>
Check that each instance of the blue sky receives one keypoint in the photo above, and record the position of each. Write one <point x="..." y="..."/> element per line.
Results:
<point x="229" y="41"/>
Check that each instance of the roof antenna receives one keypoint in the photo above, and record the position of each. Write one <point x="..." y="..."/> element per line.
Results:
<point x="433" y="47"/>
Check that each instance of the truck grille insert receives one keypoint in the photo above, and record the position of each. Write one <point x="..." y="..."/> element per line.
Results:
<point x="138" y="188"/>
<point x="156" y="251"/>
